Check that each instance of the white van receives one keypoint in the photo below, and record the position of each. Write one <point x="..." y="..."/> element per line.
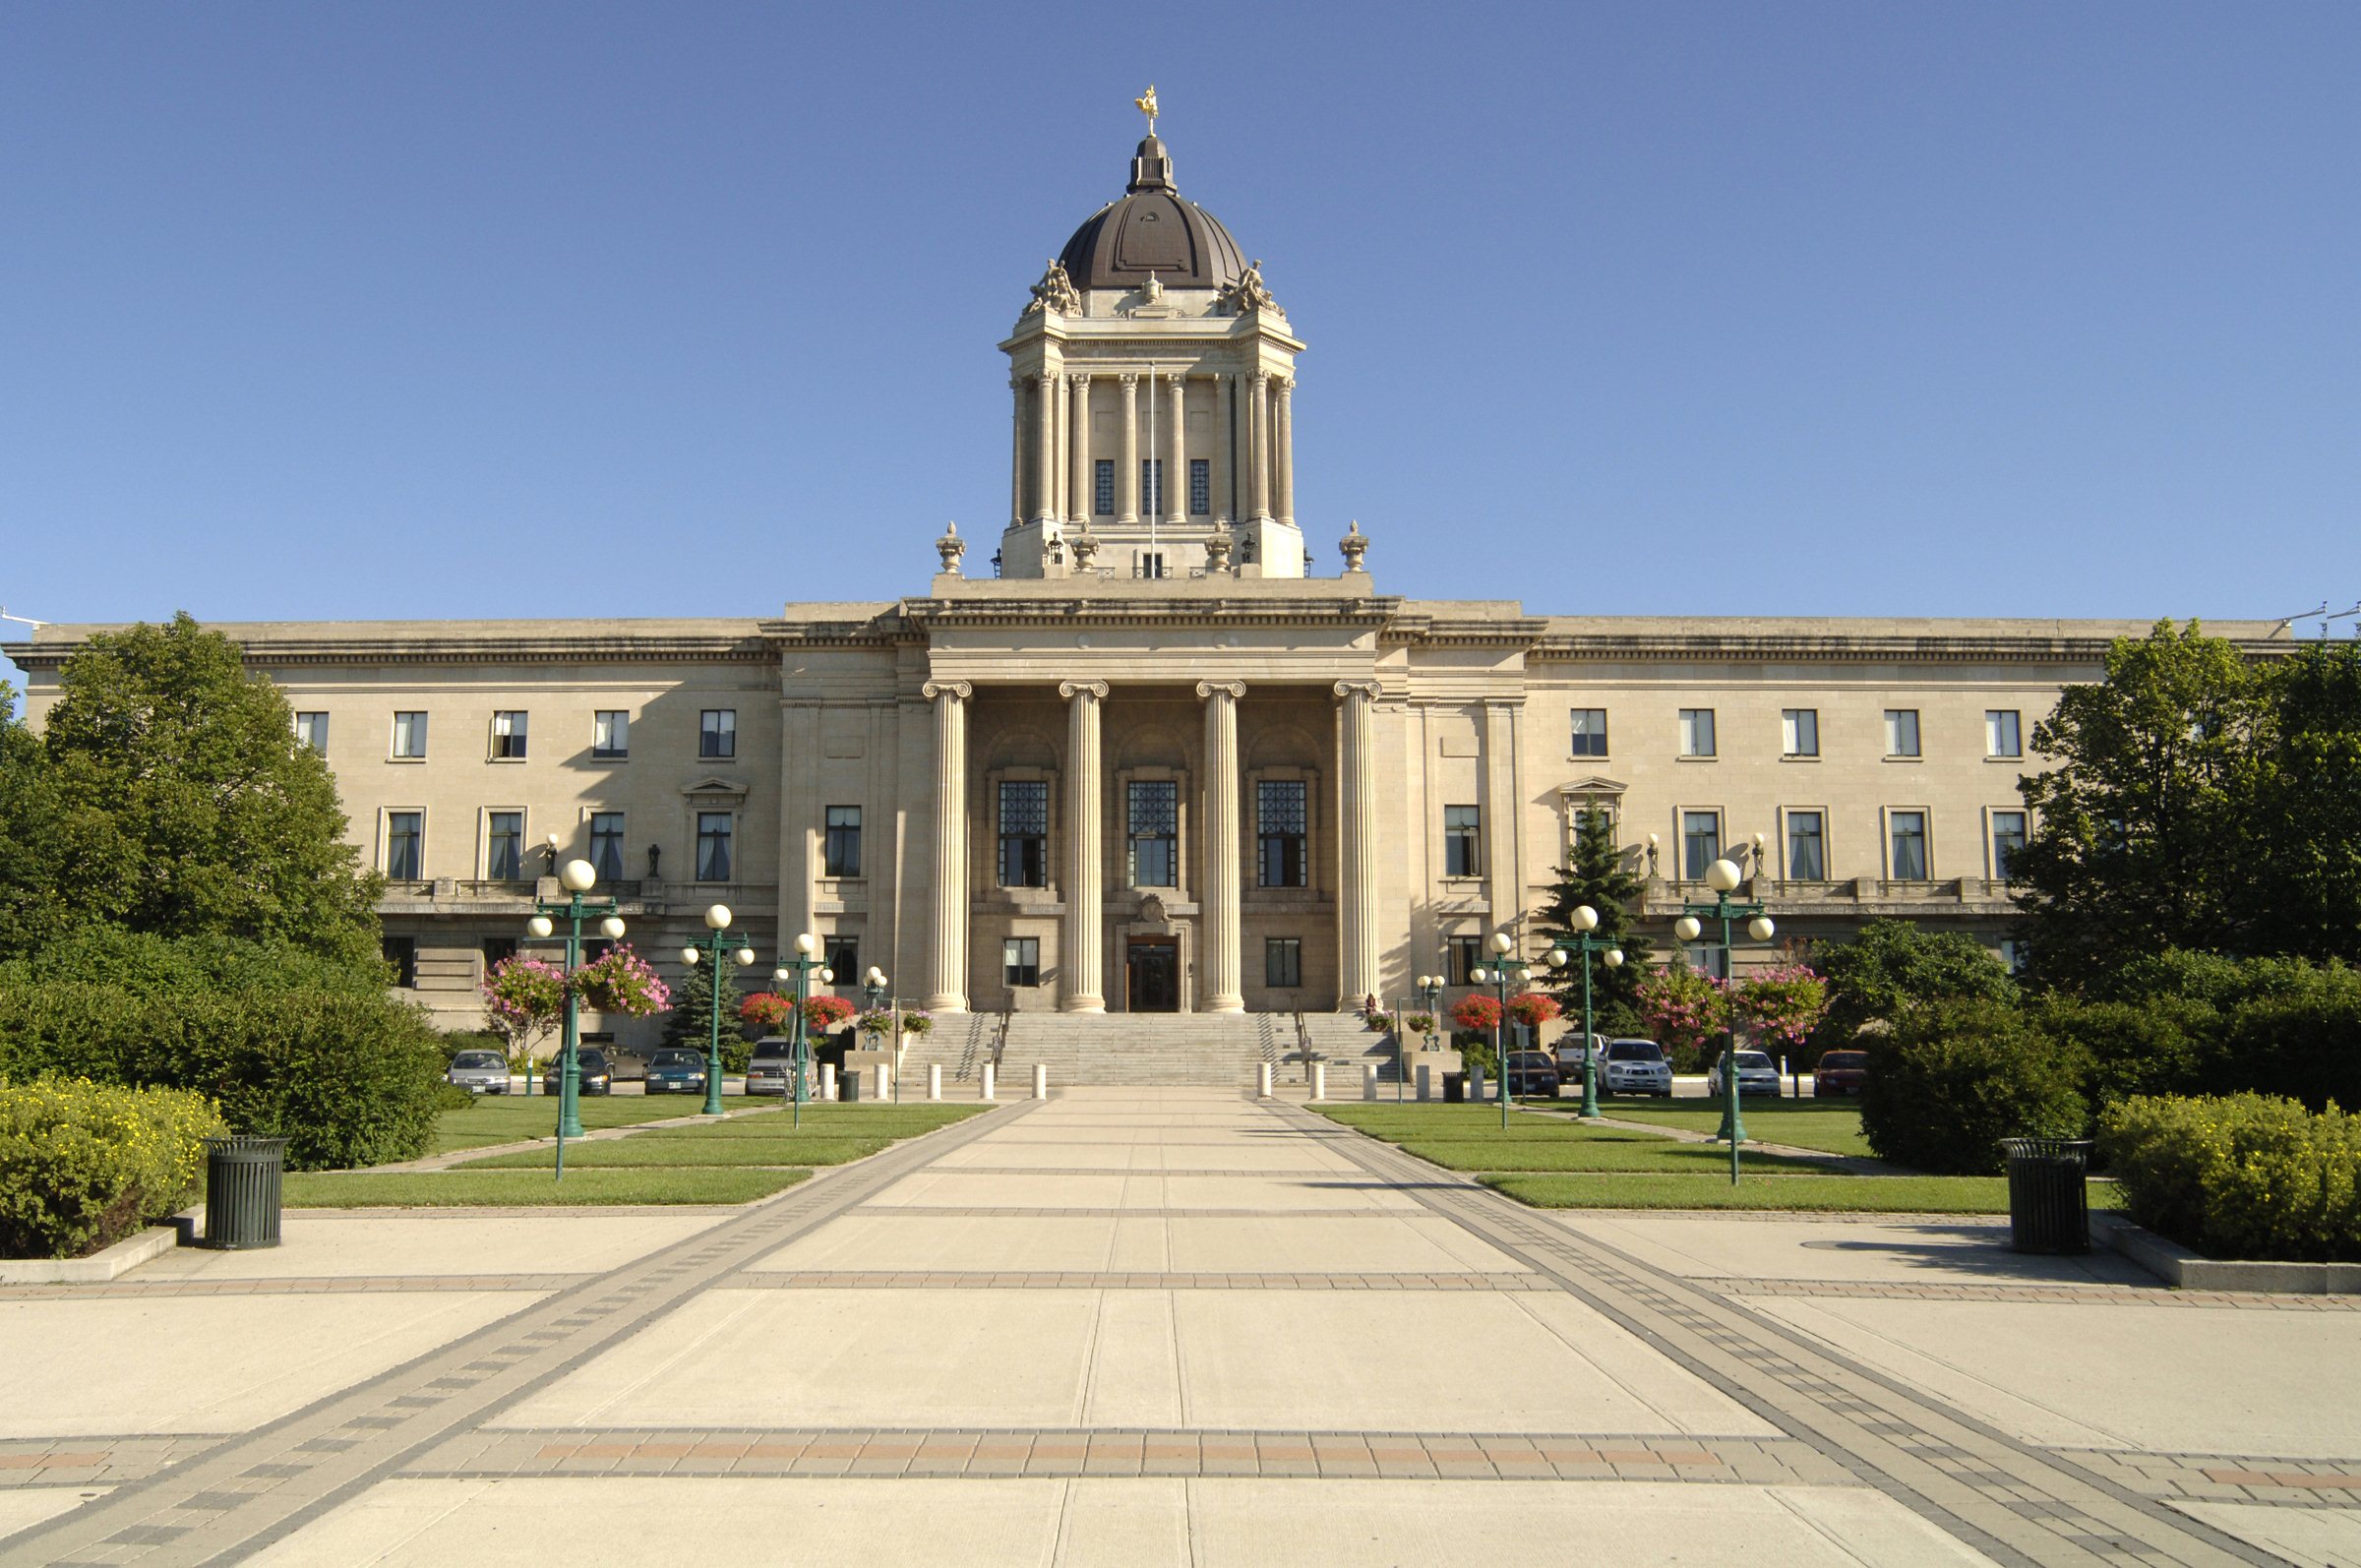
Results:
<point x="1569" y="1055"/>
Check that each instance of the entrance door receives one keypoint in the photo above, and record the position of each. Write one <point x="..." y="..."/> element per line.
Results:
<point x="1152" y="972"/>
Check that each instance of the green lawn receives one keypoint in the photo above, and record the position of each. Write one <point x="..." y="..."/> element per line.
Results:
<point x="814" y="1148"/>
<point x="509" y="1119"/>
<point x="880" y="1120"/>
<point x="1827" y="1193"/>
<point x="1834" y="1125"/>
<point x="353" y="1190"/>
<point x="1638" y="1151"/>
<point x="1453" y="1122"/>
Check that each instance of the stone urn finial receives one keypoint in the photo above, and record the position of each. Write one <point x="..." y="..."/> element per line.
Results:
<point x="1086" y="547"/>
<point x="1216" y="546"/>
<point x="1353" y="546"/>
<point x="950" y="547"/>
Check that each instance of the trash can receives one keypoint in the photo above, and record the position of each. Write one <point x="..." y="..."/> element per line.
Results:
<point x="2048" y="1209"/>
<point x="241" y="1191"/>
<point x="848" y="1087"/>
<point x="1455" y="1088"/>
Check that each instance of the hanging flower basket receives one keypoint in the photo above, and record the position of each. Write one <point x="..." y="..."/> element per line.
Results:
<point x="876" y="1023"/>
<point x="1476" y="1013"/>
<point x="620" y="980"/>
<point x="1419" y="1023"/>
<point x="823" y="1013"/>
<point x="1533" y="1009"/>
<point x="767" y="1011"/>
<point x="915" y="1022"/>
<point x="524" y="995"/>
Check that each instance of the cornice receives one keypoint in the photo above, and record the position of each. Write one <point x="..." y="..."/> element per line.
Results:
<point x="920" y="616"/>
<point x="429" y="647"/>
<point x="1837" y="649"/>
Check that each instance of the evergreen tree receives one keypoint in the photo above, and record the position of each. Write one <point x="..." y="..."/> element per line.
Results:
<point x="690" y="1024"/>
<point x="1596" y="876"/>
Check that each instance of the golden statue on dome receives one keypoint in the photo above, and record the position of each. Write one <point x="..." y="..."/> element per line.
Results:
<point x="1146" y="104"/>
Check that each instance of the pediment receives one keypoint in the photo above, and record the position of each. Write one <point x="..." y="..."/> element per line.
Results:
<point x="709" y="787"/>
<point x="1596" y="784"/>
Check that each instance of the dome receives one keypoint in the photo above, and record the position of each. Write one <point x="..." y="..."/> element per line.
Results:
<point x="1152" y="230"/>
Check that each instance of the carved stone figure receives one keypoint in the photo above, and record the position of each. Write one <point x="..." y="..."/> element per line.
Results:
<point x="1248" y="292"/>
<point x="1353" y="546"/>
<point x="950" y="547"/>
<point x="1054" y="293"/>
<point x="1086" y="548"/>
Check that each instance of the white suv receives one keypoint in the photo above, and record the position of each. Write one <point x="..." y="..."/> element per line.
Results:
<point x="1635" y="1067"/>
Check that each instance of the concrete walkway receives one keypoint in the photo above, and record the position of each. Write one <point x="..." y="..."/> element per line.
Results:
<point x="1166" y="1327"/>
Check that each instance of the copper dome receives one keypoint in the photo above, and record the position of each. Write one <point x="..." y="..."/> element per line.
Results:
<point x="1152" y="230"/>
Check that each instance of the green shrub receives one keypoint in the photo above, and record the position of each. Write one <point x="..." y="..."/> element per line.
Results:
<point x="2279" y="1026"/>
<point x="1951" y="1078"/>
<point x="346" y="1077"/>
<point x="2243" y="1177"/>
<point x="83" y="1164"/>
<point x="2158" y="1044"/>
<point x="1893" y="964"/>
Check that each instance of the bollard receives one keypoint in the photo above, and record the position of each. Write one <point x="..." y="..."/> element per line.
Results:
<point x="884" y="1082"/>
<point x="1263" y="1086"/>
<point x="1319" y="1080"/>
<point x="1476" y="1086"/>
<point x="990" y="1074"/>
<point x="1425" y="1084"/>
<point x="1041" y="1080"/>
<point x="934" y="1081"/>
<point x="827" y="1080"/>
<point x="1368" y="1080"/>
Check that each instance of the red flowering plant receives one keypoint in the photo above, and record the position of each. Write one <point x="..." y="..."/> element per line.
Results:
<point x="1781" y="1006"/>
<point x="823" y="1013"/>
<point x="619" y="981"/>
<point x="1533" y="1009"/>
<point x="1476" y="1013"/>
<point x="1685" y="1012"/>
<point x="524" y="998"/>
<point x="767" y="1011"/>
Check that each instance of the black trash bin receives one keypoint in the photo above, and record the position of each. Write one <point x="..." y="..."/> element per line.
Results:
<point x="2048" y="1208"/>
<point x="241" y="1191"/>
<point x="848" y="1085"/>
<point x="1455" y="1088"/>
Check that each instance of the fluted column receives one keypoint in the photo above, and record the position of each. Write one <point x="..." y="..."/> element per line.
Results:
<point x="1017" y="453"/>
<point x="1045" y="450"/>
<point x="1077" y="444"/>
<point x="1176" y="459"/>
<point x="946" y="938"/>
<point x="1220" y="963"/>
<point x="1082" y="966"/>
<point x="1126" y="476"/>
<point x="1258" y="448"/>
<point x="1357" y="825"/>
<point x="1283" y="448"/>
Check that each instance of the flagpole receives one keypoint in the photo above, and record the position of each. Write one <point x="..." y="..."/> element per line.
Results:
<point x="1156" y="472"/>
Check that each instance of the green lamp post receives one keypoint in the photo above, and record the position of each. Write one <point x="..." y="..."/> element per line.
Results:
<point x="1585" y="920"/>
<point x="1500" y="977"/>
<point x="708" y="953"/>
<point x="1430" y="1001"/>
<point x="577" y="877"/>
<point x="1723" y="876"/>
<point x="873" y="999"/>
<point x="799" y="971"/>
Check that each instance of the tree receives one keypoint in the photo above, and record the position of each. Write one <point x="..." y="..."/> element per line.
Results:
<point x="2300" y="891"/>
<point x="690" y="1023"/>
<point x="1594" y="875"/>
<point x="1893" y="963"/>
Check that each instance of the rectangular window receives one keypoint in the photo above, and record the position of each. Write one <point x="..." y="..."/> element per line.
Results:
<point x="2008" y="837"/>
<point x="504" y="846"/>
<point x="1700" y="843"/>
<point x="508" y="736"/>
<point x="842" y="955"/>
<point x="409" y="735"/>
<point x="1200" y="487"/>
<point x="1800" y="731"/>
<point x="718" y="732"/>
<point x="1590" y="731"/>
<point x="406" y="850"/>
<point x="1708" y="958"/>
<point x="606" y="845"/>
<point x="1281" y="835"/>
<point x="1151" y="564"/>
<point x="713" y="846"/>
<point x="2002" y="735"/>
<point x="1807" y="847"/>
<point x="403" y="953"/>
<point x="611" y="735"/>
<point x="1025" y="833"/>
<point x="1908" y="831"/>
<point x="1020" y="961"/>
<point x="312" y="729"/>
<point x="499" y="950"/>
<point x="1696" y="732"/>
<point x="1463" y="841"/>
<point x="840" y="849"/>
<point x="1154" y="817"/>
<point x="1101" y="487"/>
<point x="2012" y="956"/>
<point x="1901" y="732"/>
<point x="1151" y="487"/>
<point x="1462" y="957"/>
<point x="1283" y="962"/>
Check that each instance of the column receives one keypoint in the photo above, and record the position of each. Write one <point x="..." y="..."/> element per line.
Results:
<point x="1356" y="833"/>
<point x="1016" y="454"/>
<point x="1077" y="443"/>
<point x="1127" y="470"/>
<point x="1283" y="448"/>
<point x="1259" y="446"/>
<point x="1082" y="966"/>
<point x="947" y="941"/>
<point x="1176" y="456"/>
<point x="1045" y="452"/>
<point x="1219" y="965"/>
<point x="1230" y="508"/>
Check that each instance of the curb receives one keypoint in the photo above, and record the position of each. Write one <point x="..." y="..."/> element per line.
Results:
<point x="96" y="1269"/>
<point x="2177" y="1266"/>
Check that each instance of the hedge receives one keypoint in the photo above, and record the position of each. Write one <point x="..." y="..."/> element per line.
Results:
<point x="1952" y="1078"/>
<point x="347" y="1077"/>
<point x="85" y="1165"/>
<point x="2252" y="1177"/>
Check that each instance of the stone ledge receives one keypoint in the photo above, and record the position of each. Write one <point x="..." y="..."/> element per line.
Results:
<point x="2176" y="1265"/>
<point x="119" y="1259"/>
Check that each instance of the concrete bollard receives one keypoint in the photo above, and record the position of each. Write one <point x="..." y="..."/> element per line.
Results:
<point x="990" y="1074"/>
<point x="1476" y="1086"/>
<point x="934" y="1081"/>
<point x="1368" y="1080"/>
<point x="1425" y="1084"/>
<point x="1041" y="1080"/>
<point x="827" y="1080"/>
<point x="1263" y="1084"/>
<point x="1319" y="1080"/>
<point x="884" y="1083"/>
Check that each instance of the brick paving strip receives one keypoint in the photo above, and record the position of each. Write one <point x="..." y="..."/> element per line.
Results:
<point x="2097" y="1294"/>
<point x="247" y="1492"/>
<point x="296" y="1285"/>
<point x="2229" y="1478"/>
<point x="1045" y="1280"/>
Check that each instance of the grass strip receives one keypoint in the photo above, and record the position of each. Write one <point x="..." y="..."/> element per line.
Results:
<point x="1834" y="1128"/>
<point x="1643" y="1153"/>
<point x="1832" y="1194"/>
<point x="883" y="1122"/>
<point x="500" y="1118"/>
<point x="647" y="1152"/>
<point x="1468" y="1122"/>
<point x="354" y="1189"/>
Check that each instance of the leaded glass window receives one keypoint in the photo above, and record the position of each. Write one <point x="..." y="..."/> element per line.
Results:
<point x="1154" y="815"/>
<point x="1281" y="832"/>
<point x="1025" y="833"/>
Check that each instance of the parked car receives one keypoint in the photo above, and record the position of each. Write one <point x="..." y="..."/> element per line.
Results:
<point x="1757" y="1074"/>
<point x="629" y="1066"/>
<point x="676" y="1069"/>
<point x="1635" y="1067"/>
<point x="1532" y="1072"/>
<point x="1570" y="1055"/>
<point x="770" y="1069"/>
<point x="598" y="1073"/>
<point x="1840" y="1072"/>
<point x="479" y="1072"/>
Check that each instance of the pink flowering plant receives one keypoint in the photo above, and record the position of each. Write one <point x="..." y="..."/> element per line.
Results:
<point x="620" y="980"/>
<point x="524" y="998"/>
<point x="1780" y="1006"/>
<point x="1685" y="1012"/>
<point x="917" y="1021"/>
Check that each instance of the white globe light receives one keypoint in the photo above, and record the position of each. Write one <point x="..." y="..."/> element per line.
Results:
<point x="877" y="976"/>
<point x="1558" y="958"/>
<point x="1500" y="942"/>
<point x="611" y="928"/>
<point x="1722" y="875"/>
<point x="690" y="956"/>
<point x="1480" y="977"/>
<point x="1760" y="928"/>
<point x="828" y="976"/>
<point x="780" y="974"/>
<point x="579" y="875"/>
<point x="745" y="957"/>
<point x="806" y="945"/>
<point x="1614" y="958"/>
<point x="1686" y="927"/>
<point x="539" y="926"/>
<point x="1586" y="917"/>
<point x="718" y="918"/>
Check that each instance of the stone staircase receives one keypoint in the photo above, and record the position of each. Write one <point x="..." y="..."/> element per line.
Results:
<point x="961" y="1045"/>
<point x="1149" y="1049"/>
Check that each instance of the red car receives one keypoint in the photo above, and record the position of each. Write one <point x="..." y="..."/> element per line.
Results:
<point x="1841" y="1072"/>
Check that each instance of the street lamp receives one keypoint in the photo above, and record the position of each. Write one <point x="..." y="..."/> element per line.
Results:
<point x="801" y="971"/>
<point x="1430" y="1000"/>
<point x="1723" y="877"/>
<point x="872" y="997"/>
<point x="1499" y="977"/>
<point x="716" y="942"/>
<point x="578" y="878"/>
<point x="1585" y="920"/>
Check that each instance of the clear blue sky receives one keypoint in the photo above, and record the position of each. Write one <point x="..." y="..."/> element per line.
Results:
<point x="457" y="310"/>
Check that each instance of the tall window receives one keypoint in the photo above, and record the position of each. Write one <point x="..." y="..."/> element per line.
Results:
<point x="1901" y="732"/>
<point x="1807" y="847"/>
<point x="1151" y="563"/>
<point x="1283" y="962"/>
<point x="611" y="734"/>
<point x="1151" y="487"/>
<point x="1463" y="841"/>
<point x="1800" y="731"/>
<point x="1908" y="831"/>
<point x="713" y="846"/>
<point x="1696" y="732"/>
<point x="1154" y="815"/>
<point x="1025" y="833"/>
<point x="403" y="953"/>
<point x="1462" y="957"/>
<point x="409" y="735"/>
<point x="718" y="732"/>
<point x="606" y="845"/>
<point x="499" y="950"/>
<point x="1700" y="843"/>
<point x="2008" y="837"/>
<point x="1590" y="731"/>
<point x="1280" y="832"/>
<point x="508" y="736"/>
<point x="2002" y="737"/>
<point x="1020" y="961"/>
<point x="312" y="729"/>
<point x="842" y="955"/>
<point x="404" y="846"/>
<point x="1101" y="487"/>
<point x="1200" y="487"/>
<point x="504" y="846"/>
<point x="840" y="849"/>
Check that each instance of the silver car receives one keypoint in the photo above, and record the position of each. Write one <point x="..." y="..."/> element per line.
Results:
<point x="772" y="1069"/>
<point x="1757" y="1074"/>
<point x="1635" y="1067"/>
<point x="479" y="1072"/>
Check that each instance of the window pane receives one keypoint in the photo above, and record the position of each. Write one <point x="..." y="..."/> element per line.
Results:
<point x="1101" y="487"/>
<point x="2001" y="737"/>
<point x="409" y="735"/>
<point x="504" y="847"/>
<point x="508" y="735"/>
<point x="1153" y="811"/>
<point x="402" y="848"/>
<point x="1200" y="487"/>
<point x="842" y="955"/>
<point x="1151" y="486"/>
<point x="403" y="953"/>
<point x="312" y="729"/>
<point x="1282" y="961"/>
<point x="1462" y="841"/>
<point x="840" y="850"/>
<point x="1020" y="961"/>
<point x="606" y="845"/>
<point x="1696" y="732"/>
<point x="1807" y="860"/>
<point x="1909" y="846"/>
<point x="1025" y="833"/>
<point x="2008" y="837"/>
<point x="718" y="732"/>
<point x="611" y="734"/>
<point x="1800" y="731"/>
<point x="1590" y="731"/>
<point x="1901" y="732"/>
<point x="713" y="846"/>
<point x="1461" y="956"/>
<point x="1280" y="807"/>
<point x="1700" y="843"/>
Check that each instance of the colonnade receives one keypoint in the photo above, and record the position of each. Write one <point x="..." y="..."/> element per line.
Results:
<point x="1050" y="453"/>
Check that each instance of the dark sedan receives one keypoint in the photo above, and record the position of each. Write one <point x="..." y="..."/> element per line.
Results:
<point x="676" y="1070"/>
<point x="1532" y="1072"/>
<point x="1841" y="1072"/>
<point x="598" y="1073"/>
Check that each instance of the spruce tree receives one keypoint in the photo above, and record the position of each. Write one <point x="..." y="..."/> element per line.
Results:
<point x="690" y="1024"/>
<point x="1596" y="876"/>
